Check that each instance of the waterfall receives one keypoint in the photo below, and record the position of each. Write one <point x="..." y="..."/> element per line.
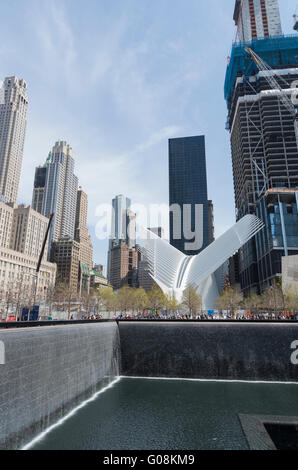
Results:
<point x="53" y="371"/>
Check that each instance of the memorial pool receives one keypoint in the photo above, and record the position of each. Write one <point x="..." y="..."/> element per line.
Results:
<point x="152" y="414"/>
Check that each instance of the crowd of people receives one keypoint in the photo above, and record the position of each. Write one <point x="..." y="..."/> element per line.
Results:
<point x="90" y="317"/>
<point x="198" y="316"/>
<point x="227" y="316"/>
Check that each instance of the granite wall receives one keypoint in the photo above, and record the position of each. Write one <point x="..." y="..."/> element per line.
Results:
<point x="50" y="370"/>
<point x="233" y="351"/>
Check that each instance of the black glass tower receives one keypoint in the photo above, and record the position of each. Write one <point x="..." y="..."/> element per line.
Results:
<point x="188" y="186"/>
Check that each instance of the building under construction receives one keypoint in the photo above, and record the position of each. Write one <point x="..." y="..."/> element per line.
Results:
<point x="264" y="153"/>
<point x="257" y="19"/>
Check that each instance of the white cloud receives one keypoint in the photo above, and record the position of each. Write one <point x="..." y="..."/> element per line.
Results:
<point x="156" y="138"/>
<point x="109" y="80"/>
<point x="107" y="50"/>
<point x="55" y="43"/>
<point x="109" y="174"/>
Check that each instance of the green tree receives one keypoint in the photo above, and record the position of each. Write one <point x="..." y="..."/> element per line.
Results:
<point x="125" y="299"/>
<point x="156" y="298"/>
<point x="171" y="303"/>
<point x="221" y="302"/>
<point x="50" y="298"/>
<point x="109" y="299"/>
<point x="65" y="295"/>
<point x="273" y="298"/>
<point x="253" y="302"/>
<point x="140" y="300"/>
<point x="230" y="299"/>
<point x="192" y="300"/>
<point x="87" y="299"/>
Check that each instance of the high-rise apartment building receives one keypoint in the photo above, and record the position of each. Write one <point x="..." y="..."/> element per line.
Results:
<point x="38" y="188"/>
<point x="123" y="228"/>
<point x="120" y="210"/>
<point x="13" y="121"/>
<point x="257" y="19"/>
<point x="56" y="191"/>
<point x="28" y="231"/>
<point x="123" y="265"/>
<point x="264" y="153"/>
<point x="82" y="235"/>
<point x="65" y="253"/>
<point x="190" y="230"/>
<point x="57" y="186"/>
<point x="71" y="271"/>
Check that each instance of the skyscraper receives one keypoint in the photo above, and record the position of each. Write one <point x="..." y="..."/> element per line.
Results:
<point x="189" y="209"/>
<point x="13" y="112"/>
<point x="81" y="230"/>
<point x="39" y="185"/>
<point x="257" y="19"/>
<point x="123" y="265"/>
<point x="58" y="190"/>
<point x="65" y="252"/>
<point x="73" y="255"/>
<point x="123" y="229"/>
<point x="264" y="152"/>
<point x="121" y="207"/>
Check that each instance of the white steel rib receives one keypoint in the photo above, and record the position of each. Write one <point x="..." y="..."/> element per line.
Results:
<point x="174" y="272"/>
<point x="215" y="255"/>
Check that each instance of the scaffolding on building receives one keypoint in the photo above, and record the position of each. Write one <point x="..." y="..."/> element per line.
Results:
<point x="261" y="122"/>
<point x="276" y="51"/>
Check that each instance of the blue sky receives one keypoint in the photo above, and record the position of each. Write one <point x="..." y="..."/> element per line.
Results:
<point x="116" y="79"/>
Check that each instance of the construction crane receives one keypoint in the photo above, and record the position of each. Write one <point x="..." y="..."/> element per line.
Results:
<point x="274" y="85"/>
<point x="287" y="102"/>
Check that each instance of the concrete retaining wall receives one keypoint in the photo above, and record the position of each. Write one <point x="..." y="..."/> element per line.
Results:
<point x="50" y="370"/>
<point x="232" y="351"/>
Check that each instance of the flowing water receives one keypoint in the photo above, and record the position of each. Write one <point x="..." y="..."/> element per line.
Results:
<point x="166" y="414"/>
<point x="48" y="372"/>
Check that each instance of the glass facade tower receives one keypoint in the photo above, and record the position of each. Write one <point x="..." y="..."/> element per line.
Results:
<point x="55" y="191"/>
<point x="123" y="230"/>
<point x="189" y="207"/>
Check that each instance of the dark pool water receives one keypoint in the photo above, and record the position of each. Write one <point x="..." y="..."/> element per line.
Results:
<point x="170" y="415"/>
